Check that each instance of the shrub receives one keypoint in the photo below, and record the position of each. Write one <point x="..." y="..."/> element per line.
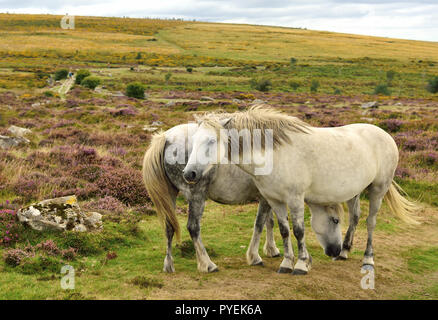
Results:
<point x="390" y="75"/>
<point x="294" y="85"/>
<point x="337" y="91"/>
<point x="61" y="74"/>
<point x="135" y="90"/>
<point x="263" y="85"/>
<point x="432" y="85"/>
<point x="13" y="257"/>
<point x="314" y="86"/>
<point x="81" y="75"/>
<point x="189" y="69"/>
<point x="391" y="125"/>
<point x="167" y="77"/>
<point x="293" y="61"/>
<point x="382" y="89"/>
<point x="90" y="82"/>
<point x="48" y="93"/>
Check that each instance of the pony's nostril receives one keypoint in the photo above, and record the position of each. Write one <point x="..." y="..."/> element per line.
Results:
<point x="192" y="175"/>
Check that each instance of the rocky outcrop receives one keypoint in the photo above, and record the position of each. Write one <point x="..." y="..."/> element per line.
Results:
<point x="59" y="214"/>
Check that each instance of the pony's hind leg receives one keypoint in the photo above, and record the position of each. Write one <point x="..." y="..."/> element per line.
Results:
<point x="354" y="214"/>
<point x="252" y="255"/>
<point x="280" y="210"/>
<point x="376" y="194"/>
<point x="196" y="209"/>
<point x="270" y="248"/>
<point x="304" y="262"/>
<point x="168" y="260"/>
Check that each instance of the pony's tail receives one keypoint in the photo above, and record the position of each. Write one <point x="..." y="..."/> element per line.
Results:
<point x="400" y="206"/>
<point x="160" y="189"/>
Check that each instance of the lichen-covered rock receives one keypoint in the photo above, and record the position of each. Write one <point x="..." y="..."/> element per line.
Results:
<point x="59" y="214"/>
<point x="9" y="142"/>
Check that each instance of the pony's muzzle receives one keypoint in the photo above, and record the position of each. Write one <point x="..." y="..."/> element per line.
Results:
<point x="190" y="176"/>
<point x="333" y="250"/>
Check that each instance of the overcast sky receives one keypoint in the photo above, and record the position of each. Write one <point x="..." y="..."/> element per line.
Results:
<point x="406" y="19"/>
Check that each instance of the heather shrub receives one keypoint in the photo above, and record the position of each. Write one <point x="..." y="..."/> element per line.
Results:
<point x="14" y="257"/>
<point x="135" y="90"/>
<point x="294" y="85"/>
<point x="9" y="227"/>
<point x="107" y="203"/>
<point x="81" y="75"/>
<point x="391" y="125"/>
<point x="90" y="82"/>
<point x="124" y="184"/>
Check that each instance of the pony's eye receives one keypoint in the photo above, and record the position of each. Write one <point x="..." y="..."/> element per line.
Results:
<point x="335" y="221"/>
<point x="211" y="140"/>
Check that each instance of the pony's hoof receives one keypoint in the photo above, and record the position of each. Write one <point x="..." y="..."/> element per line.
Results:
<point x="368" y="267"/>
<point x="284" y="270"/>
<point x="298" y="272"/>
<point x="259" y="264"/>
<point x="169" y="269"/>
<point x="276" y="256"/>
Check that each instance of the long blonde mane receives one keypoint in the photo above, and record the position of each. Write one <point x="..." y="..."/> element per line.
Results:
<point x="259" y="117"/>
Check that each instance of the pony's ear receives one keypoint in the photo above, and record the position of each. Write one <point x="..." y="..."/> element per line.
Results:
<point x="225" y="122"/>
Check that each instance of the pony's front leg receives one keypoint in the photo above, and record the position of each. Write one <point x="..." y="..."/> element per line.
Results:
<point x="168" y="260"/>
<point x="196" y="208"/>
<point x="252" y="255"/>
<point x="354" y="213"/>
<point x="304" y="262"/>
<point x="280" y="210"/>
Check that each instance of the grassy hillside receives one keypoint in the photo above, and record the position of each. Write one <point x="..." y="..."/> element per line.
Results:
<point x="91" y="143"/>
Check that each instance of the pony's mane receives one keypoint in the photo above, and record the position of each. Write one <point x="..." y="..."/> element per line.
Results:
<point x="258" y="117"/>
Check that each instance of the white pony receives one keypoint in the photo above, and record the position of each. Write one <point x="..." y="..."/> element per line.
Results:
<point x="322" y="167"/>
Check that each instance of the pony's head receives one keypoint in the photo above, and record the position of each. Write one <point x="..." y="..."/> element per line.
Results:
<point x="326" y="224"/>
<point x="207" y="150"/>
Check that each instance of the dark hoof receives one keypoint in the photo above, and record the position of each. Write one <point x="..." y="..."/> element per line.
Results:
<point x="339" y="258"/>
<point x="214" y="270"/>
<point x="298" y="272"/>
<point x="276" y="256"/>
<point x="259" y="264"/>
<point x="367" y="267"/>
<point x="284" y="270"/>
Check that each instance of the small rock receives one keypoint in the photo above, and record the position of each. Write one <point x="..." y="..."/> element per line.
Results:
<point x="237" y="101"/>
<point x="368" y="105"/>
<point x="36" y="104"/>
<point x="156" y="123"/>
<point x="19" y="132"/>
<point x="258" y="101"/>
<point x="170" y="104"/>
<point x="118" y="94"/>
<point x="205" y="98"/>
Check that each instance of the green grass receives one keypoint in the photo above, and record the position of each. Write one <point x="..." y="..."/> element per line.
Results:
<point x="422" y="261"/>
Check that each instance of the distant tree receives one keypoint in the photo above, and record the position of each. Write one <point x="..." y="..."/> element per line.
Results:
<point x="138" y="57"/>
<point x="382" y="89"/>
<point x="293" y="61"/>
<point x="189" y="69"/>
<point x="135" y="90"/>
<point x="432" y="85"/>
<point x="91" y="82"/>
<point x="61" y="74"/>
<point x="314" y="86"/>
<point x="81" y="75"/>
